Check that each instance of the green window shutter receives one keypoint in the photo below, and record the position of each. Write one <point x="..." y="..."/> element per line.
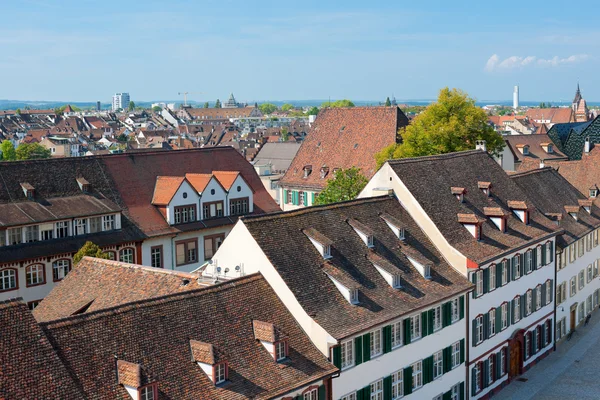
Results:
<point x="498" y="319"/>
<point x="533" y="341"/>
<point x="461" y="305"/>
<point x="387" y="339"/>
<point x="534" y="258"/>
<point x="387" y="388"/>
<point x="474" y="280"/>
<point x="447" y="395"/>
<point x="543" y="334"/>
<point x="367" y="392"/>
<point x="486" y="280"/>
<point x="366" y="347"/>
<point x="426" y="370"/>
<point x="497" y="368"/>
<point x="424" y="324"/>
<point x="473" y="378"/>
<point x="462" y="351"/>
<point x="533" y="299"/>
<point x="430" y="321"/>
<point x="513" y="267"/>
<point x="522" y="306"/>
<point x="509" y="271"/>
<point x="358" y="359"/>
<point x="486" y="367"/>
<point x="285" y="194"/>
<point x="551" y="245"/>
<point x="473" y="333"/>
<point x="312" y="198"/>
<point x="498" y="275"/>
<point x="322" y="395"/>
<point x="299" y="397"/>
<point x="543" y="254"/>
<point x="429" y="369"/>
<point x="447" y="359"/>
<point x="445" y="319"/>
<point x="407" y="380"/>
<point x="543" y="289"/>
<point x="551" y="290"/>
<point x="486" y="326"/>
<point x="462" y="391"/>
<point x="511" y="312"/>
<point x="337" y="356"/>
<point x="521" y="264"/>
<point x="406" y="326"/>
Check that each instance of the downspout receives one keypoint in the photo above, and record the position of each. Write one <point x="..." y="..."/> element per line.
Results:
<point x="467" y="347"/>
<point x="554" y="293"/>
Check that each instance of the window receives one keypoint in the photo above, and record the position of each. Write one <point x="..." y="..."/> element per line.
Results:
<point x="351" y="396"/>
<point x="301" y="198"/>
<point x="505" y="272"/>
<point x="60" y="269"/>
<point x="479" y="329"/>
<point x="455" y="355"/>
<point x="417" y="375"/>
<point x="312" y="394"/>
<point x="527" y="345"/>
<point x="548" y="335"/>
<point x="186" y="252"/>
<point x="239" y="206"/>
<point x="517" y="264"/>
<point x="185" y="214"/>
<point x="581" y="279"/>
<point x="479" y="282"/>
<point x="492" y="277"/>
<point x="377" y="390"/>
<point x="455" y="392"/>
<point x="289" y="197"/>
<point x="396" y="334"/>
<point x="477" y="378"/>
<point x="35" y="275"/>
<point x="8" y="279"/>
<point x="148" y="393"/>
<point x="581" y="312"/>
<point x="528" y="262"/>
<point x="15" y="236"/>
<point x="347" y="350"/>
<point x="528" y="303"/>
<point x="80" y="225"/>
<point x="590" y="273"/>
<point x="111" y="255"/>
<point x="538" y="297"/>
<point x="33" y="304"/>
<point x="32" y="233"/>
<point x="539" y="256"/>
<point x="212" y="210"/>
<point x="126" y="255"/>
<point x="455" y="310"/>
<point x="588" y="304"/>
<point x="437" y="318"/>
<point x="156" y="259"/>
<point x="415" y="327"/>
<point x="95" y="224"/>
<point x="492" y="318"/>
<point x="280" y="350"/>
<point x="108" y="222"/>
<point x="573" y="286"/>
<point x="549" y="252"/>
<point x="504" y="316"/>
<point x="220" y="373"/>
<point x="502" y="361"/>
<point x="212" y="244"/>
<point x="397" y="384"/>
<point x="438" y="359"/>
<point x="517" y="310"/>
<point x="491" y="368"/>
<point x="560" y="293"/>
<point x="375" y="345"/>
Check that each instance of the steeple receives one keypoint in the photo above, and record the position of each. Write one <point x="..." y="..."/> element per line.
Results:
<point x="577" y="95"/>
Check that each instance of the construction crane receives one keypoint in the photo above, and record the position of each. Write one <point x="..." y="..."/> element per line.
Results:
<point x="185" y="94"/>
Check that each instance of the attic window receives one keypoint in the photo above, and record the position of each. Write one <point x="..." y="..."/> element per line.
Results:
<point x="421" y="265"/>
<point x="307" y="170"/>
<point x="343" y="281"/>
<point x="459" y="193"/>
<point x="572" y="211"/>
<point x="594" y="192"/>
<point x="498" y="217"/>
<point x="388" y="271"/>
<point x="365" y="233"/>
<point x="520" y="209"/>
<point x="271" y="338"/>
<point x="210" y="360"/>
<point x="324" y="172"/>
<point x="473" y="224"/>
<point x="84" y="185"/>
<point x="586" y="204"/>
<point x="486" y="187"/>
<point x="395" y="225"/>
<point x="28" y="190"/>
<point x="320" y="241"/>
<point x="356" y="145"/>
<point x="354" y="296"/>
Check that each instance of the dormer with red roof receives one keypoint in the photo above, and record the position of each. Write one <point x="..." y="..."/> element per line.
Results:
<point x="212" y="362"/>
<point x="239" y="193"/>
<point x="176" y="199"/>
<point x="137" y="384"/>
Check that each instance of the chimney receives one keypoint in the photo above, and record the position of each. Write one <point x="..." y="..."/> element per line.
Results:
<point x="586" y="148"/>
<point x="542" y="163"/>
<point x="480" y="145"/>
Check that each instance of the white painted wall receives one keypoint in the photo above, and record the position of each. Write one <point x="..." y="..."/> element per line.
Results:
<point x="244" y="191"/>
<point x="179" y="200"/>
<point x="208" y="197"/>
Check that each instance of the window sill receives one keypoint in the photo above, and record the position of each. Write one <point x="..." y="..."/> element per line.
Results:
<point x="37" y="284"/>
<point x="8" y="290"/>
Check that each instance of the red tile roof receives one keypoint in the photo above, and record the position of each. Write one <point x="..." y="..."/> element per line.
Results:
<point x="199" y="181"/>
<point x="165" y="189"/>
<point x="226" y="178"/>
<point x="556" y="115"/>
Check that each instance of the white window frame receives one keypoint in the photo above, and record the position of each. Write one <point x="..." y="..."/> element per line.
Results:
<point x="454" y="310"/>
<point x="528" y="302"/>
<point x="397" y="334"/>
<point x="504" y="316"/>
<point x="375" y="344"/>
<point x="518" y="268"/>
<point x="417" y="375"/>
<point x="517" y="310"/>
<point x="478" y="329"/>
<point x="528" y="262"/>
<point x="573" y="286"/>
<point x="477" y="368"/>
<point x="455" y="360"/>
<point x="479" y="283"/>
<point x="349" y="396"/>
<point x="538" y="297"/>
<point x="280" y="350"/>
<point x="377" y="390"/>
<point x="548" y="253"/>
<point x="503" y="361"/>
<point x="438" y="364"/>
<point x="415" y="327"/>
<point x="492" y="278"/>
<point x="108" y="222"/>
<point x="539" y="256"/>
<point x="581" y="279"/>
<point x="8" y="279"/>
<point x="398" y="385"/>
<point x="437" y="318"/>
<point x="220" y="373"/>
<point x="492" y="319"/>
<point x="347" y="354"/>
<point x="505" y="272"/>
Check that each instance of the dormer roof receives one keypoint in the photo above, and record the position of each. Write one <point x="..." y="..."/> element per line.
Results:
<point x="517" y="205"/>
<point x="469" y="219"/>
<point x="585" y="202"/>
<point x="165" y="189"/>
<point x="384" y="264"/>
<point x="199" y="181"/>
<point x="572" y="209"/>
<point x="495" y="212"/>
<point x="360" y="227"/>
<point x="341" y="276"/>
<point x="312" y="233"/>
<point x="266" y="332"/>
<point x="205" y="353"/>
<point x="129" y="374"/>
<point x="226" y="178"/>
<point x="484" y="185"/>
<point x="458" y="190"/>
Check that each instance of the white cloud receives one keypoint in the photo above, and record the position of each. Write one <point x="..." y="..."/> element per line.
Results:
<point x="514" y="62"/>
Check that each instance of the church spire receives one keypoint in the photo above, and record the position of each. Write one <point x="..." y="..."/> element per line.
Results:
<point x="577" y="95"/>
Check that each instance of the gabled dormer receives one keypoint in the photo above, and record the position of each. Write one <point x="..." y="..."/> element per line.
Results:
<point x="320" y="241"/>
<point x="212" y="193"/>
<point x="395" y="225"/>
<point x="572" y="211"/>
<point x="459" y="193"/>
<point x="556" y="217"/>
<point x="593" y="191"/>
<point x="523" y="148"/>
<point x="586" y="204"/>
<point x="28" y="190"/>
<point x="497" y="216"/>
<point x="364" y="232"/>
<point x="324" y="171"/>
<point x="485" y="187"/>
<point x="212" y="362"/>
<point x="138" y="385"/>
<point x="239" y="192"/>
<point x="307" y="170"/>
<point x="547" y="147"/>
<point x="420" y="263"/>
<point x="472" y="223"/>
<point x="520" y="209"/>
<point x="176" y="199"/>
<point x="84" y="185"/>
<point x="343" y="281"/>
<point x="272" y="339"/>
<point x="389" y="272"/>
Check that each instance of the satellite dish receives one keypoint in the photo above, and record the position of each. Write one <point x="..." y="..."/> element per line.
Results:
<point x="219" y="269"/>
<point x="210" y="262"/>
<point x="237" y="268"/>
<point x="226" y="270"/>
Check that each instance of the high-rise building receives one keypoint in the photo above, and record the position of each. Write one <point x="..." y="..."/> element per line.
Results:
<point x="120" y="101"/>
<point x="98" y="106"/>
<point x="516" y="97"/>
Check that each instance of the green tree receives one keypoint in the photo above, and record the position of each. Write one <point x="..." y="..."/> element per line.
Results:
<point x="131" y="106"/>
<point x="285" y="135"/>
<point x="218" y="103"/>
<point x="388" y="103"/>
<point x="8" y="151"/>
<point x="267" y="108"/>
<point x="31" y="151"/>
<point x="453" y="123"/>
<point x="206" y="105"/>
<point x="157" y="109"/>
<point x="123" y="138"/>
<point x="91" y="250"/>
<point x="18" y="111"/>
<point x="287" y="107"/>
<point x="313" y="110"/>
<point x="346" y="185"/>
<point x="338" y="103"/>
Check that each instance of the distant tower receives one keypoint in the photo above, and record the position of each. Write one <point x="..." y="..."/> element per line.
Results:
<point x="516" y="97"/>
<point x="98" y="106"/>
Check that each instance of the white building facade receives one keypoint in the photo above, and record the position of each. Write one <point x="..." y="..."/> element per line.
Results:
<point x="120" y="101"/>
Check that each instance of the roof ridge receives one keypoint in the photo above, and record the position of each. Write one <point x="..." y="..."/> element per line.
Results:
<point x="454" y="154"/>
<point x="155" y="301"/>
<point x="531" y="172"/>
<point x="306" y="210"/>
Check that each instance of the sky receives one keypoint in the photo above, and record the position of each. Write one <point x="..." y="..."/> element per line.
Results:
<point x="87" y="50"/>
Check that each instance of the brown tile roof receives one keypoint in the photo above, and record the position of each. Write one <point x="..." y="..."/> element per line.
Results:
<point x="536" y="151"/>
<point x="220" y="113"/>
<point x="316" y="235"/>
<point x="199" y="181"/>
<point x="424" y="176"/>
<point x="484" y="185"/>
<point x="517" y="205"/>
<point x="303" y="270"/>
<point x="556" y="197"/>
<point x="96" y="284"/>
<point x="266" y="331"/>
<point x="205" y="353"/>
<point x="584" y="174"/>
<point x="165" y="189"/>
<point x="31" y="369"/>
<point x="457" y="190"/>
<point x="156" y="335"/>
<point x="556" y="115"/>
<point x="495" y="212"/>
<point x="469" y="219"/>
<point x="343" y="138"/>
<point x="129" y="374"/>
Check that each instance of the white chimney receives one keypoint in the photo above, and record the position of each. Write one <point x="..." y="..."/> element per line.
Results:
<point x="541" y="163"/>
<point x="587" y="145"/>
<point x="480" y="145"/>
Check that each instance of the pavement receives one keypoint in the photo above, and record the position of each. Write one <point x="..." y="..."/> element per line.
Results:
<point x="568" y="373"/>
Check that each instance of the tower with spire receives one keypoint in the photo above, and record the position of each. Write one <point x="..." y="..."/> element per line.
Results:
<point x="579" y="106"/>
<point x="231" y="103"/>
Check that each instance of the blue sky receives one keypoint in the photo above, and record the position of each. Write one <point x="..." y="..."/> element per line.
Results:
<point x="364" y="50"/>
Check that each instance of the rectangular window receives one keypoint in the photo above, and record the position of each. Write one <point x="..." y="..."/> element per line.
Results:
<point x="492" y="318"/>
<point x="397" y="385"/>
<point x="538" y="297"/>
<point x="301" y="198"/>
<point x="477" y="369"/>
<point x="60" y="269"/>
<point x="239" y="206"/>
<point x="479" y="282"/>
<point x="187" y="251"/>
<point x="95" y="224"/>
<point x="492" y="278"/>
<point x="212" y="244"/>
<point x="377" y="390"/>
<point x="80" y="226"/>
<point x="437" y="318"/>
<point x="415" y="327"/>
<point x="455" y="355"/>
<point x="517" y="264"/>
<point x="539" y="256"/>
<point x="8" y="279"/>
<point x="517" y="310"/>
<point x="347" y="350"/>
<point x="479" y="329"/>
<point x="505" y="272"/>
<point x="438" y="359"/>
<point x="147" y="393"/>
<point x="15" y="236"/>
<point x="108" y="222"/>
<point x="351" y="396"/>
<point x="417" y="375"/>
<point x="34" y="275"/>
<point x="396" y="334"/>
<point x="573" y="286"/>
<point x="527" y="345"/>
<point x="32" y="233"/>
<point x="280" y="350"/>
<point x="588" y="304"/>
<point x="455" y="310"/>
<point x="491" y="368"/>
<point x="156" y="259"/>
<point x="590" y="273"/>
<point x="33" y="304"/>
<point x="504" y="316"/>
<point x="528" y="262"/>
<point x="212" y="210"/>
<point x="581" y="279"/>
<point x="455" y="392"/>
<point x="185" y="214"/>
<point x="375" y="343"/>
<point x="502" y="361"/>
<point x="528" y="303"/>
<point x="220" y="373"/>
<point x="581" y="312"/>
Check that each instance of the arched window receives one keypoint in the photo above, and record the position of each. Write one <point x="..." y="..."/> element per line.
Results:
<point x="8" y="279"/>
<point x="126" y="255"/>
<point x="60" y="269"/>
<point x="35" y="275"/>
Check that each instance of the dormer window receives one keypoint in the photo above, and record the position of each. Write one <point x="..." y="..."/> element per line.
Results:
<point x="28" y="190"/>
<point x="210" y="360"/>
<point x="422" y="265"/>
<point x="485" y="187"/>
<point x="354" y="296"/>
<point x="324" y="172"/>
<point x="272" y="339"/>
<point x="343" y="281"/>
<point x="281" y="350"/>
<point x="520" y="209"/>
<point x="572" y="211"/>
<point x="395" y="225"/>
<point x="320" y="241"/>
<point x="586" y="205"/>
<point x="84" y="185"/>
<point x="307" y="170"/>
<point x="388" y="271"/>
<point x="365" y="233"/>
<point x="459" y="193"/>
<point x="220" y="373"/>
<point x="131" y="376"/>
<point x="472" y="223"/>
<point x="593" y="192"/>
<point x="498" y="217"/>
<point x="149" y="392"/>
